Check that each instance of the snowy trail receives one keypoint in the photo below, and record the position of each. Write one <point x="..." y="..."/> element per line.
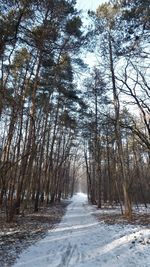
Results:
<point x="81" y="241"/>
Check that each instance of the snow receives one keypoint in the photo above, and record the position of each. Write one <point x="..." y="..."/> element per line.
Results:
<point x="11" y="232"/>
<point x="81" y="241"/>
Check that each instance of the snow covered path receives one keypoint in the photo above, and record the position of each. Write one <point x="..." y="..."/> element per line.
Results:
<point x="81" y="241"/>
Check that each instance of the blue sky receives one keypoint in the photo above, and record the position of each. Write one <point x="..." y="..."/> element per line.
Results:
<point x="89" y="4"/>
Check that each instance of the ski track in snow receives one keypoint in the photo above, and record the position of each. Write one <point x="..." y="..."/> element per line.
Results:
<point x="81" y="241"/>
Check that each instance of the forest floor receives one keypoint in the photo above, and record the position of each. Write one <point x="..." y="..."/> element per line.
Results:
<point x="89" y="237"/>
<point x="109" y="215"/>
<point x="27" y="229"/>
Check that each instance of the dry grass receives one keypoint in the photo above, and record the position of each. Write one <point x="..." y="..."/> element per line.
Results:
<point x="26" y="230"/>
<point x="137" y="219"/>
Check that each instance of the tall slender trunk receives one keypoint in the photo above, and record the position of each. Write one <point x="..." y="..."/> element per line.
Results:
<point x="127" y="197"/>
